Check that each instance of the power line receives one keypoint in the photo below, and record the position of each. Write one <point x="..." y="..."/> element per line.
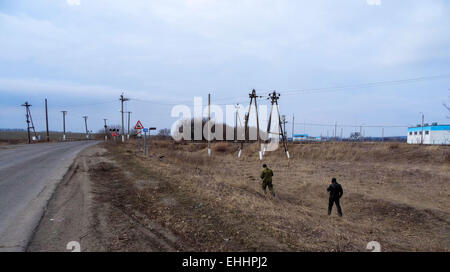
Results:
<point x="364" y="85"/>
<point x="351" y="126"/>
<point x="86" y="105"/>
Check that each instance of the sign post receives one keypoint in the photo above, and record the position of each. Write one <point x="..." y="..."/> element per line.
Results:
<point x="145" y="141"/>
<point x="139" y="127"/>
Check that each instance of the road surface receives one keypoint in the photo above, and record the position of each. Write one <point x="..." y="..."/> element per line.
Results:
<point x="29" y="175"/>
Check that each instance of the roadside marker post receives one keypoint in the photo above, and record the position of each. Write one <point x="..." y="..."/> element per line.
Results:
<point x="140" y="143"/>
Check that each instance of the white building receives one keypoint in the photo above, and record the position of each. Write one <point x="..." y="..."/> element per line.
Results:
<point x="432" y="134"/>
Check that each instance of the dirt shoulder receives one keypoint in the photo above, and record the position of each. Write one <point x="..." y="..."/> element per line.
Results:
<point x="91" y="206"/>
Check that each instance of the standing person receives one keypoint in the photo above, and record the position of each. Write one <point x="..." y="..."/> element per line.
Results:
<point x="336" y="193"/>
<point x="266" y="177"/>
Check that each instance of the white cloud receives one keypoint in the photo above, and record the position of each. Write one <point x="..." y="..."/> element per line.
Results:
<point x="74" y="2"/>
<point x="77" y="91"/>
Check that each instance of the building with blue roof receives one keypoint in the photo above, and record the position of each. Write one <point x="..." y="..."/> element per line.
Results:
<point x="433" y="134"/>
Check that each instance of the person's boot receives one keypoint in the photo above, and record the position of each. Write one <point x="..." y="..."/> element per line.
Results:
<point x="329" y="212"/>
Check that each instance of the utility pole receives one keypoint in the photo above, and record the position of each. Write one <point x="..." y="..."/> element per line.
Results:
<point x="421" y="135"/>
<point x="360" y="133"/>
<point x="293" y="123"/>
<point x="46" y="121"/>
<point x="30" y="124"/>
<point x="236" y="124"/>
<point x="284" y="122"/>
<point x="382" y="134"/>
<point x="342" y="133"/>
<point x="335" y="131"/>
<point x="129" y="118"/>
<point x="274" y="103"/>
<point x="85" y="124"/>
<point x="64" y="124"/>
<point x="145" y="142"/>
<point x="209" y="122"/>
<point x="122" y="100"/>
<point x="106" y="132"/>
<point x="252" y="97"/>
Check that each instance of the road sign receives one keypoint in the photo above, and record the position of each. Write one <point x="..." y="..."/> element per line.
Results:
<point x="138" y="125"/>
<point x="145" y="130"/>
<point x="152" y="128"/>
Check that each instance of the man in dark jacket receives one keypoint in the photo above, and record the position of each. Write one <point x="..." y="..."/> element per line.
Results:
<point x="336" y="193"/>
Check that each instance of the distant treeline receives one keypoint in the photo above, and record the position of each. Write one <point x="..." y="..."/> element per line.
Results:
<point x="250" y="134"/>
<point x="13" y="129"/>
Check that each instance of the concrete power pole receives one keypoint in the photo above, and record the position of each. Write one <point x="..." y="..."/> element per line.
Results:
<point x="129" y="118"/>
<point x="47" y="138"/>
<point x="421" y="136"/>
<point x="85" y="123"/>
<point x="293" y="124"/>
<point x="209" y="127"/>
<point x="236" y="124"/>
<point x="122" y="100"/>
<point x="360" y="133"/>
<point x="106" y="132"/>
<point x="64" y="124"/>
<point x="335" y="131"/>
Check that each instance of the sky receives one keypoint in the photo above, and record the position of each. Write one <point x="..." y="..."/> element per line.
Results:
<point x="82" y="54"/>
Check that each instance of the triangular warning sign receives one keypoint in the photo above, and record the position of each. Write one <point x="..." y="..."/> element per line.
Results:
<point x="139" y="125"/>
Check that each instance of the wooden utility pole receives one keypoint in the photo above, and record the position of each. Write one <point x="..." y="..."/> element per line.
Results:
<point x="274" y="103"/>
<point x="27" y="107"/>
<point x="253" y="98"/>
<point x="47" y="138"/>
<point x="85" y="124"/>
<point x="64" y="124"/>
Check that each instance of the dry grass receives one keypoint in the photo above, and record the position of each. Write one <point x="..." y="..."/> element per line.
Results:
<point x="395" y="194"/>
<point x="20" y="137"/>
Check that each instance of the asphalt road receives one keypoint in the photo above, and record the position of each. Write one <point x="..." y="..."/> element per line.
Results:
<point x="29" y="175"/>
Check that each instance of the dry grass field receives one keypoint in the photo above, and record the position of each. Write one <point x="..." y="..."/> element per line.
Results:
<point x="20" y="137"/>
<point x="394" y="193"/>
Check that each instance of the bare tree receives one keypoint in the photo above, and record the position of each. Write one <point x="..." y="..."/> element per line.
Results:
<point x="165" y="132"/>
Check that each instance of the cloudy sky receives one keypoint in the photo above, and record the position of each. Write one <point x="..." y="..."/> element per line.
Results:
<point x="82" y="54"/>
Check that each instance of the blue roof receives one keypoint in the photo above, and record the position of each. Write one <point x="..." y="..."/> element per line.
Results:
<point x="432" y="128"/>
<point x="300" y="135"/>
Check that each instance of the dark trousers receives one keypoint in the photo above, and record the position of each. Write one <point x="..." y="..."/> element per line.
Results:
<point x="338" y="205"/>
<point x="270" y="185"/>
